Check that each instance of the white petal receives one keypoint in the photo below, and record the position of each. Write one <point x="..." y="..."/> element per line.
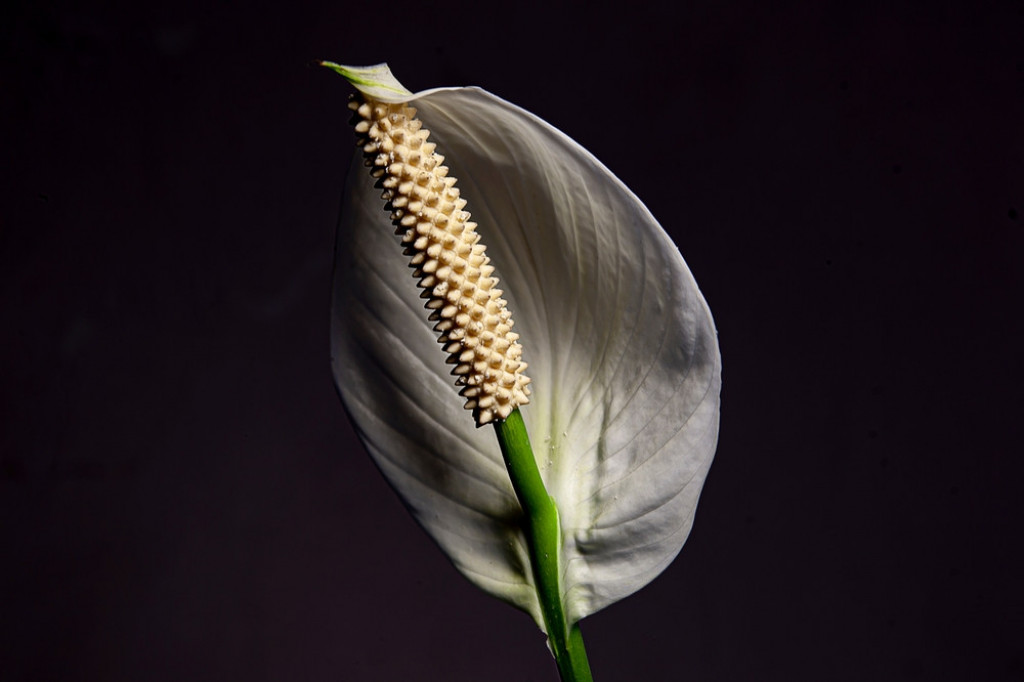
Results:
<point x="622" y="352"/>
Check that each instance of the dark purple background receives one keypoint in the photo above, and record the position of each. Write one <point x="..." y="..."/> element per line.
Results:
<point x="182" y="497"/>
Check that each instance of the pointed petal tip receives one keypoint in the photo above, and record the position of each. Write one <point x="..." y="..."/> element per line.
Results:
<point x="376" y="82"/>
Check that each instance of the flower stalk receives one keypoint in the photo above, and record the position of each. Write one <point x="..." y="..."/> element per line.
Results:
<point x="543" y="536"/>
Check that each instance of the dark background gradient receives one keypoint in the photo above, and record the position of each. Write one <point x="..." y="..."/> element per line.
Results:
<point x="182" y="496"/>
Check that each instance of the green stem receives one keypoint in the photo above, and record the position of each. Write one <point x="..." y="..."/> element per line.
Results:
<point x="543" y="536"/>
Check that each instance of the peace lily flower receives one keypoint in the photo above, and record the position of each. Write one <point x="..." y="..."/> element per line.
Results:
<point x="623" y="405"/>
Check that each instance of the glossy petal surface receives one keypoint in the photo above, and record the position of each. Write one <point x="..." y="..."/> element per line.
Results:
<point x="621" y="345"/>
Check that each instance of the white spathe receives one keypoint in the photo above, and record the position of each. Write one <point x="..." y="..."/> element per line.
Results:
<point x="621" y="345"/>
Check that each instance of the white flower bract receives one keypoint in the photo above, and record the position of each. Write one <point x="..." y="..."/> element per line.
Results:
<point x="622" y="348"/>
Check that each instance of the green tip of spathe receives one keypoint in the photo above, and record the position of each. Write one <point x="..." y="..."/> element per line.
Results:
<point x="375" y="81"/>
<point x="332" y="66"/>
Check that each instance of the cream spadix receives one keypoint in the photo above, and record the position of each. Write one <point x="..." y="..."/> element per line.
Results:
<point x="473" y="323"/>
<point x="622" y="348"/>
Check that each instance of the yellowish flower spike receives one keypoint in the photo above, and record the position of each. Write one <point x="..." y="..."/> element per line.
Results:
<point x="473" y="322"/>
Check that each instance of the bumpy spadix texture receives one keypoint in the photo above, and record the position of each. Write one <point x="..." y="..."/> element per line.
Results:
<point x="622" y="348"/>
<point x="472" y="320"/>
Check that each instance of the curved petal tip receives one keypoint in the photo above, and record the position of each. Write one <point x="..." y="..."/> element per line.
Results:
<point x="375" y="81"/>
